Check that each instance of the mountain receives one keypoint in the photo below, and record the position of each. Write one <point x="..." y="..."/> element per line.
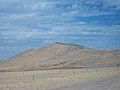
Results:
<point x="61" y="56"/>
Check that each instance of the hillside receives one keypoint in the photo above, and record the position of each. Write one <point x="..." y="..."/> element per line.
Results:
<point x="61" y="56"/>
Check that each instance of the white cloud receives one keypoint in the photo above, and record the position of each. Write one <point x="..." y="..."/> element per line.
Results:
<point x="112" y="3"/>
<point x="24" y="33"/>
<point x="78" y="7"/>
<point x="21" y="16"/>
<point x="85" y="29"/>
<point x="85" y="13"/>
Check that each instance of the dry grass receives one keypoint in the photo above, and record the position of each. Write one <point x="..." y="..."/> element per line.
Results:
<point x="52" y="79"/>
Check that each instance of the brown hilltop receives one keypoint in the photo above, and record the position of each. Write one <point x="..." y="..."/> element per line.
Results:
<point x="61" y="56"/>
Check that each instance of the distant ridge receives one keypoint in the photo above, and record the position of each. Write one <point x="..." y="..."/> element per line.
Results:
<point x="69" y="44"/>
<point x="59" y="55"/>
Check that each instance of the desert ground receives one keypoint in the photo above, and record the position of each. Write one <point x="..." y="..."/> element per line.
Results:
<point x="61" y="66"/>
<point x="107" y="78"/>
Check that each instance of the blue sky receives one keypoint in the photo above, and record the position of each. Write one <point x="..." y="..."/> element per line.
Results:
<point x="28" y="24"/>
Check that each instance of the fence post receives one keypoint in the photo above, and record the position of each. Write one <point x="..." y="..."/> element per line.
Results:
<point x="33" y="78"/>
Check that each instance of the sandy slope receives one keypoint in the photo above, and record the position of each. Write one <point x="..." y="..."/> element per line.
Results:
<point x="60" y="55"/>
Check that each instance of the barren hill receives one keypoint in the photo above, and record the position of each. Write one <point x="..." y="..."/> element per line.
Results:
<point x="61" y="56"/>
